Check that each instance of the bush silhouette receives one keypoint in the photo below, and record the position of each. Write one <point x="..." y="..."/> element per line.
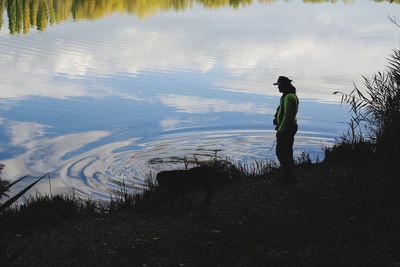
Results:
<point x="376" y="110"/>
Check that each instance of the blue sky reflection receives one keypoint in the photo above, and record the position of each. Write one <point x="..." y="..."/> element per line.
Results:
<point x="83" y="99"/>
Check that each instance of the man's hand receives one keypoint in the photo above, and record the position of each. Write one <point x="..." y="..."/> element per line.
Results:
<point x="279" y="134"/>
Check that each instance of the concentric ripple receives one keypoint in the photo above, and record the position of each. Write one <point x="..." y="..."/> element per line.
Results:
<point x="127" y="165"/>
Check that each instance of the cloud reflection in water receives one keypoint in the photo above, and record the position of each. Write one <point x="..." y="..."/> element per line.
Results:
<point x="101" y="171"/>
<point x="93" y="101"/>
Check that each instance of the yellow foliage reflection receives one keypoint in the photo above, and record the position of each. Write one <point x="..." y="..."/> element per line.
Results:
<point x="1" y="12"/>
<point x="25" y="14"/>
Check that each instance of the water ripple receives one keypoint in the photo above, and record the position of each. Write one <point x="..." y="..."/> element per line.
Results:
<point x="129" y="168"/>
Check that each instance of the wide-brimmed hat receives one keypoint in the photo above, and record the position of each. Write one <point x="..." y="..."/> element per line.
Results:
<point x="283" y="80"/>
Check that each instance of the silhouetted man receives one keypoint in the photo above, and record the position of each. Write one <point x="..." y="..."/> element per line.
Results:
<point x="286" y="127"/>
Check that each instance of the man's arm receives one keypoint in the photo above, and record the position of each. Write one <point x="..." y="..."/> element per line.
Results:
<point x="275" y="121"/>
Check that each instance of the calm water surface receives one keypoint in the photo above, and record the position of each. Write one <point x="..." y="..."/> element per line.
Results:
<point x="100" y="92"/>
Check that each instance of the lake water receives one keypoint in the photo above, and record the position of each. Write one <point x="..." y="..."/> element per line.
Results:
<point x="104" y="92"/>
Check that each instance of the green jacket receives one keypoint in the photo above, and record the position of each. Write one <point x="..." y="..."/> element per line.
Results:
<point x="285" y="116"/>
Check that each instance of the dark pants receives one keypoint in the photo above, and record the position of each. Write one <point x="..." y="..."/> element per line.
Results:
<point x="284" y="151"/>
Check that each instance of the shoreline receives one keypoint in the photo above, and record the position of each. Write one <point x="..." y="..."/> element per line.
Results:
<point x="336" y="215"/>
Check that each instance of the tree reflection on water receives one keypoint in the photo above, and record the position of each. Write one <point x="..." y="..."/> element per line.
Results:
<point x="26" y="14"/>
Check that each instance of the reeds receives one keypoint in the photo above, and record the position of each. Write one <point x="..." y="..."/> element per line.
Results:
<point x="376" y="110"/>
<point x="9" y="202"/>
<point x="256" y="168"/>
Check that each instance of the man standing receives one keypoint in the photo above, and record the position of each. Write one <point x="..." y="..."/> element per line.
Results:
<point x="286" y="127"/>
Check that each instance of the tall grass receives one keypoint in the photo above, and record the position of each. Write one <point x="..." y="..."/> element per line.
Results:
<point x="3" y="184"/>
<point x="376" y="110"/>
<point x="44" y="210"/>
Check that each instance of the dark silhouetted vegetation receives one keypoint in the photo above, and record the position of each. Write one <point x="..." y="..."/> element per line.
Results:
<point x="13" y="199"/>
<point x="45" y="210"/>
<point x="374" y="128"/>
<point x="48" y="210"/>
<point x="334" y="216"/>
<point x="3" y="184"/>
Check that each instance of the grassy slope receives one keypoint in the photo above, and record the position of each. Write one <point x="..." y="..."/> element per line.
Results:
<point x="334" y="216"/>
